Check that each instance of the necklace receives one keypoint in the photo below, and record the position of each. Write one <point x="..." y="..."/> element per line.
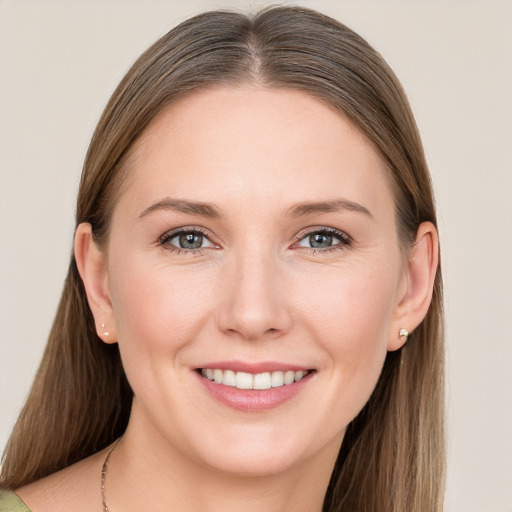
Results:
<point x="104" y="474"/>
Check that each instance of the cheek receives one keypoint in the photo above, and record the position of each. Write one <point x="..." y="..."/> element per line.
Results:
<point x="355" y="305"/>
<point x="351" y="318"/>
<point x="158" y="309"/>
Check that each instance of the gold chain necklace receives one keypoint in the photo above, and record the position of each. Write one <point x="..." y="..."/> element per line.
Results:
<point x="104" y="474"/>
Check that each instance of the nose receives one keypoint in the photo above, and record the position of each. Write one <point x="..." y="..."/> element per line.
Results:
<point x="254" y="304"/>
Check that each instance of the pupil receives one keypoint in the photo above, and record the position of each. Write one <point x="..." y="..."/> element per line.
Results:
<point x="320" y="241"/>
<point x="191" y="241"/>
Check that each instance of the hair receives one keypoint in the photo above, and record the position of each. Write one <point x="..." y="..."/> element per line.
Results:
<point x="392" y="456"/>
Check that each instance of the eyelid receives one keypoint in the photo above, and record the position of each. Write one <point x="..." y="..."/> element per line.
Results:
<point x="346" y="239"/>
<point x="168" y="235"/>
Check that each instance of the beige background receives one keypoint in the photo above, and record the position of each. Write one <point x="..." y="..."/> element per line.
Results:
<point x="59" y="62"/>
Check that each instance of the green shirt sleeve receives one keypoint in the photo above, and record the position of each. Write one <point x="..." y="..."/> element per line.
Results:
<point x="11" y="502"/>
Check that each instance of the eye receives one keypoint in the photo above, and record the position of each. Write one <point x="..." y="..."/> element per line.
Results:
<point x="324" y="239"/>
<point x="190" y="239"/>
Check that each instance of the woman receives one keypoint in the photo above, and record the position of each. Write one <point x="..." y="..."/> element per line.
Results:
<point x="252" y="316"/>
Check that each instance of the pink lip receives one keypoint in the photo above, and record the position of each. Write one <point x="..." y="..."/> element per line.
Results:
<point x="253" y="400"/>
<point x="262" y="367"/>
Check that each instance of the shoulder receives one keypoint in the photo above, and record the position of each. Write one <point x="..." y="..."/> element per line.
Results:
<point x="73" y="488"/>
<point x="11" y="502"/>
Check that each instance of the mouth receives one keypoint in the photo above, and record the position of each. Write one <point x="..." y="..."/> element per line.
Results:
<point x="253" y="381"/>
<point x="254" y="386"/>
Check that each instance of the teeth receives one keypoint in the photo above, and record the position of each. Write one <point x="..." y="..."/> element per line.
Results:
<point x="229" y="378"/>
<point x="262" y="381"/>
<point x="289" y="377"/>
<point x="277" y="379"/>
<point x="244" y="380"/>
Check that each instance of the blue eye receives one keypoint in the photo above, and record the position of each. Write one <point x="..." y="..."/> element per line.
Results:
<point x="189" y="240"/>
<point x="186" y="240"/>
<point x="323" y="239"/>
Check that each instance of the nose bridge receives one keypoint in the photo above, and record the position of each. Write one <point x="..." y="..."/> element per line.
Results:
<point x="254" y="303"/>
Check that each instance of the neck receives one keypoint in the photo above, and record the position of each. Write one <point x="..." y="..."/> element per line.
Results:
<point x="148" y="473"/>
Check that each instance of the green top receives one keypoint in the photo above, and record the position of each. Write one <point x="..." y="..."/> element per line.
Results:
<point x="11" y="502"/>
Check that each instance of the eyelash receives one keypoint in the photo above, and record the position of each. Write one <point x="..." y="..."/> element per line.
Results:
<point x="166" y="237"/>
<point x="345" y="240"/>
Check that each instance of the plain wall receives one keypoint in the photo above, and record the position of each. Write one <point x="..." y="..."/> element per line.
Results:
<point x="59" y="63"/>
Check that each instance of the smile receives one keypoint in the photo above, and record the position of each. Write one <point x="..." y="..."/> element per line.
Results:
<point x="244" y="380"/>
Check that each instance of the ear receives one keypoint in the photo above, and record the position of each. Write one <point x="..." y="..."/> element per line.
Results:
<point x="418" y="282"/>
<point x="92" y="266"/>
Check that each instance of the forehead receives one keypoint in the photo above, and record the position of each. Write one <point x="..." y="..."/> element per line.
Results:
<point x="246" y="143"/>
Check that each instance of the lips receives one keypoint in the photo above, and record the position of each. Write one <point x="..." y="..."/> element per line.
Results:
<point x="253" y="387"/>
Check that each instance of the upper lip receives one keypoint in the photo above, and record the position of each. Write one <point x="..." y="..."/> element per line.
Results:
<point x="254" y="367"/>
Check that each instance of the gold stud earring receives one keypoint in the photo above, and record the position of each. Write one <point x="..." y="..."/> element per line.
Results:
<point x="105" y="333"/>
<point x="403" y="333"/>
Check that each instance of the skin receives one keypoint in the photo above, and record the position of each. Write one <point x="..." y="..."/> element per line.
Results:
<point x="255" y="291"/>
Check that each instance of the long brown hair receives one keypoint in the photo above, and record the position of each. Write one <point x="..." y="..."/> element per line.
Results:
<point x="392" y="456"/>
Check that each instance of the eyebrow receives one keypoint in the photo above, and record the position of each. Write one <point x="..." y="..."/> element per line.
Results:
<point x="297" y="210"/>
<point x="183" y="206"/>
<point x="335" y="205"/>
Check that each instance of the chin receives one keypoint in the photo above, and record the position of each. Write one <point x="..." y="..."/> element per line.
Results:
<point x="267" y="452"/>
<point x="251" y="463"/>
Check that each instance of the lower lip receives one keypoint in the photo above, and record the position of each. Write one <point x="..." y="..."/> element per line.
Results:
<point x="254" y="400"/>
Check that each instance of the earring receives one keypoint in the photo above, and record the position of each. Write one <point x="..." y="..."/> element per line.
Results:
<point x="105" y="333"/>
<point x="403" y="333"/>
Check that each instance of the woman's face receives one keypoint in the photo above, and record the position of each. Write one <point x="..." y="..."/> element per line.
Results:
<point x="255" y="238"/>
